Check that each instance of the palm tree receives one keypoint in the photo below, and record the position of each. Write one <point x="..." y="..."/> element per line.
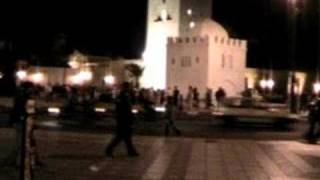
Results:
<point x="135" y="71"/>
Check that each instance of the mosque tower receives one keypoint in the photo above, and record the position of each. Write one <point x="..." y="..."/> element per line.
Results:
<point x="168" y="18"/>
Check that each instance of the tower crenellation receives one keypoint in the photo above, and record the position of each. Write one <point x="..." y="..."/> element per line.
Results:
<point x="197" y="40"/>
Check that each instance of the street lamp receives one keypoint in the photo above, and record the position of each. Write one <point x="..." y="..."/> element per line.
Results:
<point x="37" y="77"/>
<point x="263" y="84"/>
<point x="292" y="13"/>
<point x="316" y="88"/>
<point x="109" y="79"/>
<point x="270" y="84"/>
<point x="21" y="75"/>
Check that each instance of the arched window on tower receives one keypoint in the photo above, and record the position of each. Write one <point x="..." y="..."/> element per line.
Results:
<point x="223" y="61"/>
<point x="197" y="60"/>
<point x="230" y="58"/>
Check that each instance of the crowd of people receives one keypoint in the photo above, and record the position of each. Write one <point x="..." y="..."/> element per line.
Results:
<point x="193" y="99"/>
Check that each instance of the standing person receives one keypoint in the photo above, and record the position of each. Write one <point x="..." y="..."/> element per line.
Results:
<point x="220" y="95"/>
<point x="190" y="98"/>
<point x="171" y="111"/>
<point x="176" y="94"/>
<point x="208" y="98"/>
<point x="196" y="97"/>
<point x="124" y="118"/>
<point x="162" y="97"/>
<point x="314" y="130"/>
<point x="181" y="102"/>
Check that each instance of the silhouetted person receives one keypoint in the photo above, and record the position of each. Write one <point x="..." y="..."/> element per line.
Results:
<point x="189" y="99"/>
<point x="220" y="95"/>
<point x="208" y="98"/>
<point x="304" y="100"/>
<point x="171" y="111"/>
<point x="162" y="97"/>
<point x="176" y="94"/>
<point x="313" y="118"/>
<point x="196" y="97"/>
<point x="124" y="118"/>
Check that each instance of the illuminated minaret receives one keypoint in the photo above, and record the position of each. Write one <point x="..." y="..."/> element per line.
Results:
<point x="168" y="18"/>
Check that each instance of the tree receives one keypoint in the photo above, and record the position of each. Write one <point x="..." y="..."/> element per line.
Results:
<point x="135" y="71"/>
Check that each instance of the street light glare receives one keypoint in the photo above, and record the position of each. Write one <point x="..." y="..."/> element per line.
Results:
<point x="270" y="83"/>
<point x="37" y="77"/>
<point x="263" y="83"/>
<point x="74" y="64"/>
<point x="109" y="79"/>
<point x="294" y="2"/>
<point x="21" y="74"/>
<point x="316" y="87"/>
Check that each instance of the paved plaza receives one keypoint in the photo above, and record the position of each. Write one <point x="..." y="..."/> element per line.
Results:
<point x="77" y="156"/>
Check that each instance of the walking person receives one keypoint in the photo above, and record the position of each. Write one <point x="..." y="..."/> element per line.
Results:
<point x="171" y="111"/>
<point x="124" y="118"/>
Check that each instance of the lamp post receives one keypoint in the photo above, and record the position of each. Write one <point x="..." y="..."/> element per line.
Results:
<point x="292" y="14"/>
<point x="316" y="88"/>
<point x="316" y="84"/>
<point x="267" y="83"/>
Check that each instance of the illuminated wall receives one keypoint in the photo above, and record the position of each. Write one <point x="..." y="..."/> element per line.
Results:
<point x="168" y="18"/>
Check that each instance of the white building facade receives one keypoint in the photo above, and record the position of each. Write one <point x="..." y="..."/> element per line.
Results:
<point x="167" y="18"/>
<point x="209" y="60"/>
<point x="186" y="48"/>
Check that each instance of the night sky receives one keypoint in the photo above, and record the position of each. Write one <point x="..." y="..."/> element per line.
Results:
<point x="46" y="33"/>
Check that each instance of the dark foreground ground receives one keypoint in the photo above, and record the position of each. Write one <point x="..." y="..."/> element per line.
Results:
<point x="206" y="150"/>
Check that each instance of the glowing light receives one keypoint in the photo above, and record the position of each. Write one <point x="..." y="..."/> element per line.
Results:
<point x="316" y="87"/>
<point x="54" y="110"/>
<point x="100" y="110"/>
<point x="293" y="2"/>
<point x="160" y="109"/>
<point x="189" y="12"/>
<point x="134" y="111"/>
<point x="76" y="79"/>
<point x="21" y="75"/>
<point x="164" y="14"/>
<point x="109" y="79"/>
<point x="270" y="84"/>
<point x="37" y="77"/>
<point x="192" y="24"/>
<point x="81" y="78"/>
<point x="1" y="75"/>
<point x="74" y="64"/>
<point x="85" y="75"/>
<point x="296" y="89"/>
<point x="250" y="83"/>
<point x="263" y="83"/>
